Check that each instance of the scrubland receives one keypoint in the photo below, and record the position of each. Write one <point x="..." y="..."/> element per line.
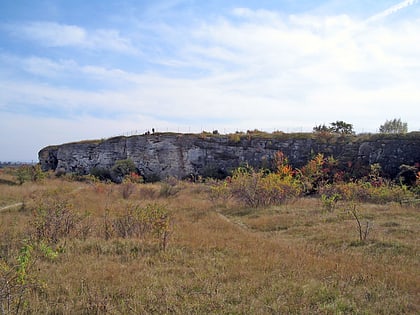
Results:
<point x="87" y="247"/>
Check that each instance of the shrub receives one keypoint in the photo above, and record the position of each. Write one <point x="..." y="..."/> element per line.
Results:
<point x="101" y="173"/>
<point x="235" y="137"/>
<point x="53" y="220"/>
<point x="133" y="177"/>
<point x="389" y="192"/>
<point x="147" y="192"/>
<point x="18" y="281"/>
<point x="122" y="168"/>
<point x="262" y="188"/>
<point x="127" y="188"/>
<point x="312" y="175"/>
<point x="329" y="202"/>
<point x="32" y="173"/>
<point x="169" y="187"/>
<point x="152" y="220"/>
<point x="219" y="191"/>
<point x="362" y="191"/>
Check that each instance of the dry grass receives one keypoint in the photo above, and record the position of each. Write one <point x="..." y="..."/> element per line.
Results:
<point x="221" y="258"/>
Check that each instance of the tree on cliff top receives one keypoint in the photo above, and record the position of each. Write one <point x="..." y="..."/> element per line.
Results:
<point x="339" y="127"/>
<point x="393" y="126"/>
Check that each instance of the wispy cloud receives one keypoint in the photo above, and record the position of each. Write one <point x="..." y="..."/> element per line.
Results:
<point x="52" y="34"/>
<point x="392" y="10"/>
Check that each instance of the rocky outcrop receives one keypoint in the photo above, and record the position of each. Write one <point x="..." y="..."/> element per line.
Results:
<point x="158" y="156"/>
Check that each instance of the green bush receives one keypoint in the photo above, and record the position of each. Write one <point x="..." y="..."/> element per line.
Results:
<point x="121" y="169"/>
<point x="32" y="173"/>
<point x="101" y="173"/>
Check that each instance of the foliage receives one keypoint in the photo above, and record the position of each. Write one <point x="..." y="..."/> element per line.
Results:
<point x="342" y="127"/>
<point x="235" y="137"/>
<point x="219" y="190"/>
<point x="318" y="172"/>
<point x="133" y="177"/>
<point x="139" y="222"/>
<point x="290" y="258"/>
<point x="362" y="191"/>
<point x="169" y="187"/>
<point x="257" y="188"/>
<point x="338" y="127"/>
<point x="394" y="126"/>
<point x="101" y="173"/>
<point x="32" y="173"/>
<point x="322" y="129"/>
<point x="16" y="281"/>
<point x="319" y="176"/>
<point x="407" y="175"/>
<point x="121" y="169"/>
<point x="53" y="220"/>
<point x="329" y="202"/>
<point x="311" y="174"/>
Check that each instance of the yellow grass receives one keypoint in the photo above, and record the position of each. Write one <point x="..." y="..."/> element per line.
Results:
<point x="221" y="258"/>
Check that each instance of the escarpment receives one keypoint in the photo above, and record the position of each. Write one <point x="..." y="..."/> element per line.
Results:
<point x="158" y="156"/>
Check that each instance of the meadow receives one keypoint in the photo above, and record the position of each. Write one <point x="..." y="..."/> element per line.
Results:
<point x="81" y="246"/>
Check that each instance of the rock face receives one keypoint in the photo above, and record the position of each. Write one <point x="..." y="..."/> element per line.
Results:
<point x="158" y="156"/>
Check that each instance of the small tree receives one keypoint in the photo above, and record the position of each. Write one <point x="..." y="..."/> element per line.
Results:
<point x="394" y="126"/>
<point x="339" y="127"/>
<point x="322" y="129"/>
<point x="342" y="127"/>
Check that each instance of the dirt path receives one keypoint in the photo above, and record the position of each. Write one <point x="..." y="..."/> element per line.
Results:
<point x="11" y="206"/>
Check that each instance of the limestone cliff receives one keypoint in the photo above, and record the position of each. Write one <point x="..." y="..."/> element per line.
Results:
<point x="182" y="155"/>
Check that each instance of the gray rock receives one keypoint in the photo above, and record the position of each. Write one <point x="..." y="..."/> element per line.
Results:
<point x="158" y="156"/>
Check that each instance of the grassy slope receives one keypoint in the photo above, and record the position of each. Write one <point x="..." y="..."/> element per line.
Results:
<point x="221" y="258"/>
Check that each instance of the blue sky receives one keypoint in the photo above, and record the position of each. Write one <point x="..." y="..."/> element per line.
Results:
<point x="75" y="70"/>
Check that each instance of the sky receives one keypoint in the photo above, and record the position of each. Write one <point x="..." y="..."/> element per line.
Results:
<point x="77" y="70"/>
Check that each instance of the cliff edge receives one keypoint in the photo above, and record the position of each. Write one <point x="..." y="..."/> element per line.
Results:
<point x="158" y="156"/>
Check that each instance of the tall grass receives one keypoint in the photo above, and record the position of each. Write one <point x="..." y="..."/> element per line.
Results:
<point x="221" y="256"/>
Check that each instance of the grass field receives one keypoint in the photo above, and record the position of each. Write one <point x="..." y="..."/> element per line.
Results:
<point x="70" y="247"/>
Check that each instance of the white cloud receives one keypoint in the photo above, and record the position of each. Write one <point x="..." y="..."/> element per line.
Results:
<point x="52" y="34"/>
<point x="259" y="69"/>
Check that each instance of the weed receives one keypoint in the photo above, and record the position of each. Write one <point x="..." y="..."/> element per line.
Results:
<point x="127" y="188"/>
<point x="220" y="192"/>
<point x="139" y="222"/>
<point x="53" y="220"/>
<point x="16" y="281"/>
<point x="169" y="187"/>
<point x="363" y="229"/>
<point x="329" y="202"/>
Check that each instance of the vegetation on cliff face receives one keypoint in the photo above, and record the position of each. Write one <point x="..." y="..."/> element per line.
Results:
<point x="73" y="244"/>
